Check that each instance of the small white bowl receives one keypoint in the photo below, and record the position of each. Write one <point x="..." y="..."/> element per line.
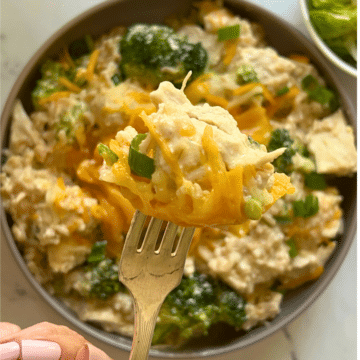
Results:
<point x="335" y="59"/>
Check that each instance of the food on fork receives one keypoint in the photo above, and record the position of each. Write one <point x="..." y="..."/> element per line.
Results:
<point x="193" y="167"/>
<point x="244" y="107"/>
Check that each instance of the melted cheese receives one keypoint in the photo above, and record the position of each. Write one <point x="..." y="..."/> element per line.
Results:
<point x="211" y="147"/>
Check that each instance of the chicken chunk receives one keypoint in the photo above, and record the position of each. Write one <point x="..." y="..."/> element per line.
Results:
<point x="332" y="142"/>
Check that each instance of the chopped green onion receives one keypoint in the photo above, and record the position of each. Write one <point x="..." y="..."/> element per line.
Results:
<point x="253" y="209"/>
<point x="319" y="93"/>
<point x="283" y="219"/>
<point x="81" y="47"/>
<point x="322" y="95"/>
<point x="109" y="156"/>
<point x="309" y="83"/>
<point x="229" y="32"/>
<point x="283" y="91"/>
<point x="293" y="250"/>
<point x="140" y="163"/>
<point x="116" y="79"/>
<point x="97" y="252"/>
<point x="306" y="208"/>
<point x="253" y="142"/>
<point x="246" y="74"/>
<point x="315" y="181"/>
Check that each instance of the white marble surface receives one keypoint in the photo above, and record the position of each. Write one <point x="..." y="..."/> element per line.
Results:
<point x="326" y="331"/>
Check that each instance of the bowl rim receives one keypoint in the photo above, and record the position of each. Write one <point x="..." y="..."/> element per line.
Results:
<point x="334" y="58"/>
<point x="321" y="284"/>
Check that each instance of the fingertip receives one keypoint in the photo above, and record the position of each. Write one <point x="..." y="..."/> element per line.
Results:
<point x="91" y="352"/>
<point x="8" y="329"/>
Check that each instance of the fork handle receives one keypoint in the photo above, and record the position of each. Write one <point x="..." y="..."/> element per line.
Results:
<point x="145" y="320"/>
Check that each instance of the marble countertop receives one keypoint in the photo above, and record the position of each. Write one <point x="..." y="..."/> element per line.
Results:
<point x="325" y="331"/>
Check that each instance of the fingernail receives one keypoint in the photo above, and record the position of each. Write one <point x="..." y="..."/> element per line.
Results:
<point x="40" y="350"/>
<point x="91" y="352"/>
<point x="9" y="351"/>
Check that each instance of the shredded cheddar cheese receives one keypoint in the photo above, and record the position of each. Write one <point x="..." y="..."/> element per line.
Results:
<point x="54" y="97"/>
<point x="68" y="84"/>
<point x="293" y="283"/>
<point x="300" y="58"/>
<point x="230" y="51"/>
<point x="92" y="64"/>
<point x="255" y="123"/>
<point x="173" y="196"/>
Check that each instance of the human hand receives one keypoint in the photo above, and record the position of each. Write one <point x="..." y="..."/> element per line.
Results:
<point x="45" y="341"/>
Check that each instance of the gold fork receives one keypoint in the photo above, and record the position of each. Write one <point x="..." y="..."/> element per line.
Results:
<point x="150" y="269"/>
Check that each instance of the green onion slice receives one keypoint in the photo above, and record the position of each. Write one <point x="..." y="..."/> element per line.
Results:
<point x="306" y="208"/>
<point x="293" y="250"/>
<point x="309" y="83"/>
<point x="315" y="181"/>
<point x="116" y="79"/>
<point x="229" y="32"/>
<point x="97" y="252"/>
<point x="253" y="209"/>
<point x="283" y="91"/>
<point x="109" y="156"/>
<point x="139" y="163"/>
<point x="283" y="219"/>
<point x="319" y="93"/>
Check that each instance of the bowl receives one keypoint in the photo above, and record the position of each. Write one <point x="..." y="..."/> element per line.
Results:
<point x="102" y="18"/>
<point x="323" y="47"/>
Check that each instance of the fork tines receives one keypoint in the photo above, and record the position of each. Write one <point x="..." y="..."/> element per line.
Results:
<point x="174" y="240"/>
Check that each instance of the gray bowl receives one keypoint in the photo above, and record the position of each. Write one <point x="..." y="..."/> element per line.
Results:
<point x="286" y="40"/>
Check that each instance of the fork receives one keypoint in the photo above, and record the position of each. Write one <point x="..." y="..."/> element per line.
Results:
<point x="150" y="269"/>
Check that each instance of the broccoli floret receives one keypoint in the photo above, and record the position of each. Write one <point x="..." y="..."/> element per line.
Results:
<point x="101" y="279"/>
<point x="246" y="74"/>
<point x="194" y="306"/>
<point x="51" y="71"/>
<point x="81" y="47"/>
<point x="231" y="307"/>
<point x="155" y="53"/>
<point x="281" y="138"/>
<point x="72" y="122"/>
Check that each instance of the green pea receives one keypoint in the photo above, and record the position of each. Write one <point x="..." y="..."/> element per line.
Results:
<point x="253" y="209"/>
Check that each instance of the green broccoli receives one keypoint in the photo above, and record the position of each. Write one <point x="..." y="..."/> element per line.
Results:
<point x="81" y="47"/>
<point x="51" y="71"/>
<point x="231" y="306"/>
<point x="246" y="74"/>
<point x="155" y="53"/>
<point x="72" y="121"/>
<point x="194" y="306"/>
<point x="281" y="138"/>
<point x="101" y="278"/>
